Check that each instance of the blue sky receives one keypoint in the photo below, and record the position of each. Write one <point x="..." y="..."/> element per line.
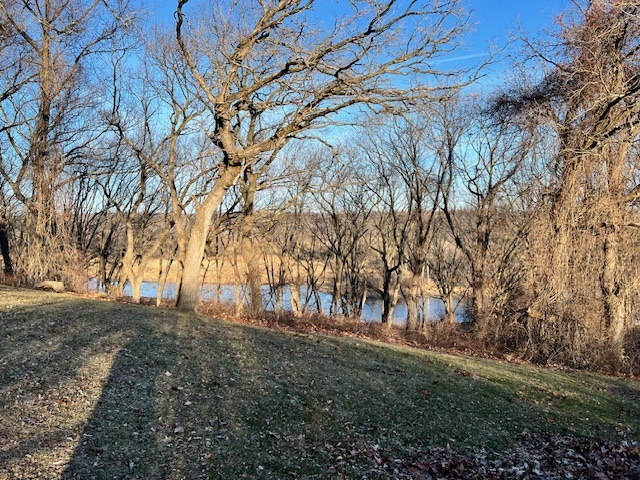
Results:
<point x="495" y="18"/>
<point x="492" y="21"/>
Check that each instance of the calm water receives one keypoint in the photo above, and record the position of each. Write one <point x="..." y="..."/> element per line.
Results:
<point x="372" y="311"/>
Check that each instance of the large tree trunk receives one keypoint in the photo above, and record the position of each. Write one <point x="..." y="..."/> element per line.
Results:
<point x="562" y="214"/>
<point x="253" y="274"/>
<point x="612" y="289"/>
<point x="480" y="297"/>
<point x="388" y="307"/>
<point x="4" y="248"/>
<point x="136" y="288"/>
<point x="612" y="278"/>
<point x="189" y="293"/>
<point x="336" y="299"/>
<point x="389" y="299"/>
<point x="411" y="299"/>
<point x="449" y="315"/>
<point x="40" y="249"/>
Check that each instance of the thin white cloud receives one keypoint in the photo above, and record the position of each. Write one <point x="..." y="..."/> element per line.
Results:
<point x="459" y="58"/>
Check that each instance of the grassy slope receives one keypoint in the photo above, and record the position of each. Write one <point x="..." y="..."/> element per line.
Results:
<point x="92" y="389"/>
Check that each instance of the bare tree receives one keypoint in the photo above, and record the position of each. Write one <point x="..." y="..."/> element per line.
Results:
<point x="589" y="98"/>
<point x="341" y="228"/>
<point x="389" y="221"/>
<point x="406" y="180"/>
<point x="50" y="44"/>
<point x="154" y="120"/>
<point x="289" y="241"/>
<point x="485" y="157"/>
<point x="268" y="73"/>
<point x="142" y="207"/>
<point x="446" y="268"/>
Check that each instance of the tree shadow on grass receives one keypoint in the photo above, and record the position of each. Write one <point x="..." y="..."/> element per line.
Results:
<point x="121" y="391"/>
<point x="211" y="400"/>
<point x="188" y="397"/>
<point x="126" y="433"/>
<point x="165" y="406"/>
<point x="58" y="354"/>
<point x="50" y="339"/>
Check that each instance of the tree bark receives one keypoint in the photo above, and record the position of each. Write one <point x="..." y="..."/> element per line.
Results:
<point x="480" y="296"/>
<point x="336" y="299"/>
<point x="612" y="289"/>
<point x="389" y="298"/>
<point x="253" y="276"/>
<point x="189" y="293"/>
<point x="296" y="304"/>
<point x="136" y="288"/>
<point x="411" y="299"/>
<point x="163" y="273"/>
<point x="449" y="315"/>
<point x="4" y="248"/>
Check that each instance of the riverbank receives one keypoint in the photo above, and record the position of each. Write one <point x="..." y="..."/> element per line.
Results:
<point x="433" y="309"/>
<point x="228" y="270"/>
<point x="124" y="391"/>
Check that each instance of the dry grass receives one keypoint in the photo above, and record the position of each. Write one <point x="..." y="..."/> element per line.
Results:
<point x="95" y="389"/>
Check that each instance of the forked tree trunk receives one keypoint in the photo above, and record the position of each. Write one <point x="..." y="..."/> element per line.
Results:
<point x="189" y="293"/>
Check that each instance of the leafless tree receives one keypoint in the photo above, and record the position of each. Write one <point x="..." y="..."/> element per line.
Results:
<point x="290" y="254"/>
<point x="141" y="207"/>
<point x="589" y="99"/>
<point x="268" y="73"/>
<point x="341" y="227"/>
<point x="154" y="123"/>
<point x="45" y="104"/>
<point x="446" y="268"/>
<point x="484" y="157"/>
<point x="389" y="222"/>
<point x="406" y="181"/>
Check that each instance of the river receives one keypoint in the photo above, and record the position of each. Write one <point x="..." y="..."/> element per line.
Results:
<point x="372" y="311"/>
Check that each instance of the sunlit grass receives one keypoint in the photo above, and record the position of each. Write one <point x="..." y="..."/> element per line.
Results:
<point x="108" y="390"/>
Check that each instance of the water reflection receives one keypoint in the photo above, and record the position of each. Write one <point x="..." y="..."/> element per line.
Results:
<point x="372" y="311"/>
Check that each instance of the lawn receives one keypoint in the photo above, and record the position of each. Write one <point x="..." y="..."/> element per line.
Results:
<point x="98" y="389"/>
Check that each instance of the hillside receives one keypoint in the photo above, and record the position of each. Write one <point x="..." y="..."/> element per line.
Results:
<point x="96" y="389"/>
